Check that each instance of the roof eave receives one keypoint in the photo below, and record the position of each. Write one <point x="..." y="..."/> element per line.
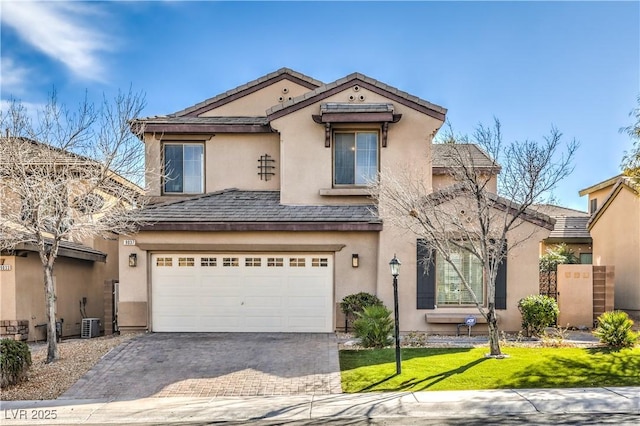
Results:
<point x="340" y="85"/>
<point x="341" y="226"/>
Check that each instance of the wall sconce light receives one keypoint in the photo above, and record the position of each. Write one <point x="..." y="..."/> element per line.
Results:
<point x="355" y="261"/>
<point x="133" y="260"/>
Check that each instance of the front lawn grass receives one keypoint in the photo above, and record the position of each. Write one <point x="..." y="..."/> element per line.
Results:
<point x="467" y="368"/>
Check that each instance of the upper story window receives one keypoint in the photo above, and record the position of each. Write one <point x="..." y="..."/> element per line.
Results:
<point x="355" y="157"/>
<point x="183" y="168"/>
<point x="449" y="287"/>
<point x="593" y="205"/>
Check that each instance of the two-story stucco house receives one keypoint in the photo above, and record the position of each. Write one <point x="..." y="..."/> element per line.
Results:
<point x="614" y="225"/>
<point x="262" y="219"/>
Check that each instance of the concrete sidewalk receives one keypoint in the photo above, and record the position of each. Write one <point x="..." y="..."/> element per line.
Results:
<point x="431" y="405"/>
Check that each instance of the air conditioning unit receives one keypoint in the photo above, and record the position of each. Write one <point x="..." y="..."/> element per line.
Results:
<point x="90" y="328"/>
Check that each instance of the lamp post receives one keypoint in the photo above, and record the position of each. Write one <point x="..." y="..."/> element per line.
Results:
<point x="395" y="271"/>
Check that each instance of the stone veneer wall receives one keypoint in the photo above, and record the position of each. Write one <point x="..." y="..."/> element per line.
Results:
<point x="14" y="329"/>
<point x="108" y="322"/>
<point x="603" y="290"/>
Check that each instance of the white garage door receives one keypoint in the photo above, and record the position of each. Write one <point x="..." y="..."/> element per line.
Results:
<point x="242" y="292"/>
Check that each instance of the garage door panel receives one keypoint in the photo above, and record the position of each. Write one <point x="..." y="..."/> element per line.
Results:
<point x="306" y="302"/>
<point x="236" y="292"/>
<point x="220" y="302"/>
<point x="263" y="323"/>
<point x="220" y="322"/>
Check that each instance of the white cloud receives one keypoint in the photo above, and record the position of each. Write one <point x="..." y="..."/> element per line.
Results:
<point x="12" y="76"/>
<point x="62" y="30"/>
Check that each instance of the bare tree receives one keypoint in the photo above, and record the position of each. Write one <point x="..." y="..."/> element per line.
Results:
<point x="467" y="218"/>
<point x="68" y="176"/>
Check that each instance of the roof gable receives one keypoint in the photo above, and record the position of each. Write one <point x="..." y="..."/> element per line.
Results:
<point x="621" y="184"/>
<point x="363" y="81"/>
<point x="444" y="159"/>
<point x="600" y="185"/>
<point x="247" y="89"/>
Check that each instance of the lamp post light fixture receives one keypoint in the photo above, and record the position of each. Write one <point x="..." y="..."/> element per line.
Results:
<point x="395" y="271"/>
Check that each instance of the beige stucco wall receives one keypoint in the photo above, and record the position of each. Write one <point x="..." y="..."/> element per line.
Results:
<point x="22" y="289"/>
<point x="522" y="279"/>
<point x="600" y="195"/>
<point x="135" y="303"/>
<point x="307" y="165"/>
<point x="231" y="161"/>
<point x="256" y="103"/>
<point x="73" y="281"/>
<point x="616" y="241"/>
<point x="8" y="290"/>
<point x="575" y="295"/>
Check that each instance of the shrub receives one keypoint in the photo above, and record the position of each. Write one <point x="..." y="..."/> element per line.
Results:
<point x="538" y="311"/>
<point x="373" y="326"/>
<point x="15" y="360"/>
<point x="355" y="303"/>
<point x="614" y="329"/>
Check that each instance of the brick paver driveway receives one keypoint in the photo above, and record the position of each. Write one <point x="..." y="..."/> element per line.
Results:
<point x="214" y="364"/>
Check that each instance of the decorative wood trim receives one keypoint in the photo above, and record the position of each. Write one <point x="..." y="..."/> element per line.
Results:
<point x="264" y="226"/>
<point x="229" y="248"/>
<point x="337" y="89"/>
<point x="167" y="128"/>
<point x="385" y="132"/>
<point x="327" y="135"/>
<point x="356" y="117"/>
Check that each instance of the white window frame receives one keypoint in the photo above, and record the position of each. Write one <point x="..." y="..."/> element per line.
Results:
<point x="445" y="272"/>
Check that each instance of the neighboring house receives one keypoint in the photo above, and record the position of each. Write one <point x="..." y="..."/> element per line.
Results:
<point x="615" y="228"/>
<point x="570" y="228"/>
<point x="84" y="274"/>
<point x="481" y="161"/>
<point x="263" y="220"/>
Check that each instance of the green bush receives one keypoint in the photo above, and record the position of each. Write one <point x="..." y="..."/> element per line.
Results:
<point x="373" y="326"/>
<point x="355" y="303"/>
<point x="15" y="360"/>
<point x="614" y="329"/>
<point x="538" y="311"/>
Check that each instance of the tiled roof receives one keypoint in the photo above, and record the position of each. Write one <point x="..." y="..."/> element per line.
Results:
<point x="442" y="152"/>
<point x="69" y="249"/>
<point x="233" y="205"/>
<point x="570" y="227"/>
<point x="335" y="107"/>
<point x="601" y="185"/>
<point x="555" y="211"/>
<point x="495" y="201"/>
<point x="164" y="119"/>
<point x="248" y="86"/>
<point x="361" y="77"/>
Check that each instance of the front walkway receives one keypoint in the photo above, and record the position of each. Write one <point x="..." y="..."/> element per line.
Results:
<point x="213" y="365"/>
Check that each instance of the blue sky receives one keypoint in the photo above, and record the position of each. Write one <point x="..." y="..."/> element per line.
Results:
<point x="574" y="65"/>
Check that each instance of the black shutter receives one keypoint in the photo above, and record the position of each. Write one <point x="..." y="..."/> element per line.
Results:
<point x="426" y="281"/>
<point x="501" y="282"/>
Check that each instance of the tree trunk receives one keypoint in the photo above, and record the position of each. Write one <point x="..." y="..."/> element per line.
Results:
<point x="494" y="337"/>
<point x="50" y="297"/>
